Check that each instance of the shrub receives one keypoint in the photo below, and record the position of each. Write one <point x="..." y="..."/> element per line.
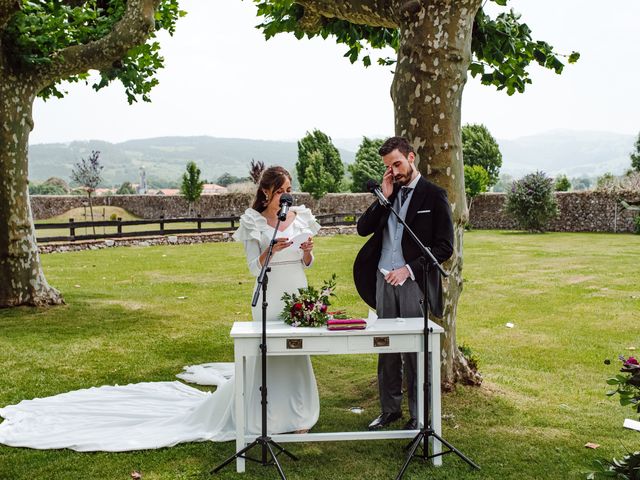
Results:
<point x="531" y="202"/>
<point x="636" y="226"/>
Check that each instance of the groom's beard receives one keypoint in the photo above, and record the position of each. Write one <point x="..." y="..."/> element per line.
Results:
<point x="403" y="180"/>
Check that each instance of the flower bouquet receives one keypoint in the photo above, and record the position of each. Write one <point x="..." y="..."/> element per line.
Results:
<point x="309" y="306"/>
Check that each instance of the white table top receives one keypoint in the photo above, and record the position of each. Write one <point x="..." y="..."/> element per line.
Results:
<point x="382" y="326"/>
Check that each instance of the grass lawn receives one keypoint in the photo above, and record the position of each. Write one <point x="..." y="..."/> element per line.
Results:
<point x="574" y="300"/>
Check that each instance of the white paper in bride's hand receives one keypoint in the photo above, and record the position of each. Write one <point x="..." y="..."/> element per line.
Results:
<point x="299" y="240"/>
<point x="372" y="318"/>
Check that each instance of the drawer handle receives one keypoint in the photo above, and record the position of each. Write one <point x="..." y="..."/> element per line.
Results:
<point x="294" y="343"/>
<point x="380" y="341"/>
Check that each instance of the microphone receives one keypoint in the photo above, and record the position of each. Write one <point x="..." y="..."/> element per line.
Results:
<point x="286" y="200"/>
<point x="374" y="188"/>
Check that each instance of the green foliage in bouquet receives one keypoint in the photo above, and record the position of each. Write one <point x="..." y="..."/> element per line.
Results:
<point x="627" y="384"/>
<point x="309" y="307"/>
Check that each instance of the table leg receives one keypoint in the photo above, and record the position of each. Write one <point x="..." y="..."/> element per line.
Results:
<point x="435" y="397"/>
<point x="421" y="372"/>
<point x="239" y="405"/>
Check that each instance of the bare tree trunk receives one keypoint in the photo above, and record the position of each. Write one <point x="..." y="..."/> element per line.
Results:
<point x="91" y="211"/>
<point x="21" y="279"/>
<point x="434" y="54"/>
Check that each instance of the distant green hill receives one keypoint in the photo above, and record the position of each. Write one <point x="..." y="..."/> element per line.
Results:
<point x="164" y="158"/>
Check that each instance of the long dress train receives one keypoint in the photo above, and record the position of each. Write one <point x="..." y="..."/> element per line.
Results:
<point x="152" y="415"/>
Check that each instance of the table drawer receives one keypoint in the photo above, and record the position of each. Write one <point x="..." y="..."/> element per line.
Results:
<point x="382" y="343"/>
<point x="297" y="345"/>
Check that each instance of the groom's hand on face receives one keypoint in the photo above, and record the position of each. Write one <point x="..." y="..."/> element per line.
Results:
<point x="396" y="277"/>
<point x="387" y="182"/>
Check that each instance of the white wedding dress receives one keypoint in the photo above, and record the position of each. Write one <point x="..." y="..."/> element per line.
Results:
<point x="161" y="414"/>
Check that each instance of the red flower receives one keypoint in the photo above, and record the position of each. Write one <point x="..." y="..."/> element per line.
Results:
<point x="297" y="306"/>
<point x="323" y="308"/>
<point x="631" y="361"/>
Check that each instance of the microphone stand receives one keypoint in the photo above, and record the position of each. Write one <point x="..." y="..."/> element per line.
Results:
<point x="426" y="431"/>
<point x="266" y="444"/>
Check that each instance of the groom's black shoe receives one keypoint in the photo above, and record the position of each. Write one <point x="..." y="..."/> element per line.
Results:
<point x="384" y="419"/>
<point x="412" y="424"/>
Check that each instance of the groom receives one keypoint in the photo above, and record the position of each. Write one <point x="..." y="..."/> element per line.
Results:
<point x="388" y="273"/>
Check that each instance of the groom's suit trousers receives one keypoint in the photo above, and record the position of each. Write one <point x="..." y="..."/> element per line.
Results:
<point x="393" y="302"/>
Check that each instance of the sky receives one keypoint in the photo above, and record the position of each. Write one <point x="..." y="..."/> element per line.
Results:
<point x="222" y="79"/>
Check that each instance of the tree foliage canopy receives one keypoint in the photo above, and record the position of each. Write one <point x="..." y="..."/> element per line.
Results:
<point x="318" y="141"/>
<point x="368" y="164"/>
<point x="476" y="181"/>
<point x="317" y="180"/>
<point x="635" y="155"/>
<point x="562" y="184"/>
<point x="502" y="47"/>
<point x="41" y="32"/>
<point x="480" y="148"/>
<point x="192" y="186"/>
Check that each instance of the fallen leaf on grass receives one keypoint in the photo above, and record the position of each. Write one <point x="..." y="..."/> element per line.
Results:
<point x="509" y="325"/>
<point x="77" y="286"/>
<point x="182" y="298"/>
<point x="136" y="475"/>
<point x="591" y="445"/>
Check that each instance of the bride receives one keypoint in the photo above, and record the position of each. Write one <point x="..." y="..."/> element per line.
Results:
<point x="160" y="414"/>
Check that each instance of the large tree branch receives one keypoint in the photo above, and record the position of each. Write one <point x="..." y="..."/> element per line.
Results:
<point x="375" y="13"/>
<point x="133" y="29"/>
<point x="7" y="9"/>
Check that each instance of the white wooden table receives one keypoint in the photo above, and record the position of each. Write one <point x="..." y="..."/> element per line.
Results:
<point x="385" y="336"/>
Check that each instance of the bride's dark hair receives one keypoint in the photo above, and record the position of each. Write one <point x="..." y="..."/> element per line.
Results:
<point x="271" y="180"/>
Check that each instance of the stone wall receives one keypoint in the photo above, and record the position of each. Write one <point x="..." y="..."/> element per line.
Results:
<point x="227" y="205"/>
<point x="579" y="211"/>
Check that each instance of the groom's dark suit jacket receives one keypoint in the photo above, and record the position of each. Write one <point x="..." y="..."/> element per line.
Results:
<point x="429" y="216"/>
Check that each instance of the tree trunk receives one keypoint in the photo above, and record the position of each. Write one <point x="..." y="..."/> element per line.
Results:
<point x="21" y="279"/>
<point x="434" y="54"/>
<point x="91" y="211"/>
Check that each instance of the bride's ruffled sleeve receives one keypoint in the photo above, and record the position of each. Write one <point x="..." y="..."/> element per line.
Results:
<point x="249" y="232"/>
<point x="308" y="224"/>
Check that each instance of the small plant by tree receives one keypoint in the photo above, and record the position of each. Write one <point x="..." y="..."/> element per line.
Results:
<point x="88" y="174"/>
<point x="318" y="141"/>
<point x="476" y="181"/>
<point x="531" y="202"/>
<point x="126" y="189"/>
<point x="255" y="170"/>
<point x="192" y="186"/>
<point x="635" y="155"/>
<point x="562" y="184"/>
<point x="480" y="148"/>
<point x="368" y="164"/>
<point x="317" y="180"/>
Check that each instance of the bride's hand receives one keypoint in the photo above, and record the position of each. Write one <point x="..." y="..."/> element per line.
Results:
<point x="281" y="244"/>
<point x="307" y="246"/>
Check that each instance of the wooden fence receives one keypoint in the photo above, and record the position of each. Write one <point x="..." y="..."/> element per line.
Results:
<point x="118" y="226"/>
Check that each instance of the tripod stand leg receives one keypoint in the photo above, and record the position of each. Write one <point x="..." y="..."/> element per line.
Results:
<point x="283" y="450"/>
<point x="413" y="446"/>
<point x="234" y="457"/>
<point x="276" y="462"/>
<point x="456" y="451"/>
